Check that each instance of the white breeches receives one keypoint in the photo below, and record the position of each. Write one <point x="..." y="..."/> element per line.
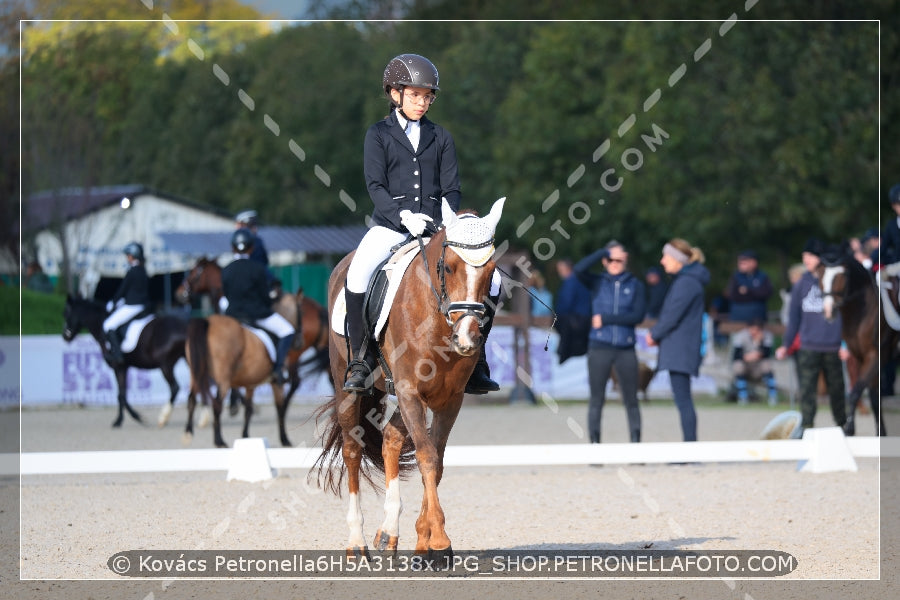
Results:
<point x="374" y="248"/>
<point x="276" y="324"/>
<point x="121" y="315"/>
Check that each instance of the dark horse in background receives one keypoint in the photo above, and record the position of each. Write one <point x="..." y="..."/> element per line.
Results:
<point x="849" y="288"/>
<point x="159" y="346"/>
<point x="430" y="343"/>
<point x="308" y="317"/>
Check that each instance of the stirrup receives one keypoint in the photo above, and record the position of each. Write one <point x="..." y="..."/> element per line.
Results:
<point x="358" y="378"/>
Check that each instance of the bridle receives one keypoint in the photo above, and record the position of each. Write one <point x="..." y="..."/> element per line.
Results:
<point x="186" y="282"/>
<point x="445" y="306"/>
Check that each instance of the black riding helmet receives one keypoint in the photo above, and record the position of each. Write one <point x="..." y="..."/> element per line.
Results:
<point x="409" y="70"/>
<point x="135" y="250"/>
<point x="242" y="240"/>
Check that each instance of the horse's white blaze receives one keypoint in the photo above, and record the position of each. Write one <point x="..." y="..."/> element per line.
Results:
<point x="393" y="506"/>
<point x="465" y="323"/>
<point x="355" y="522"/>
<point x="827" y="283"/>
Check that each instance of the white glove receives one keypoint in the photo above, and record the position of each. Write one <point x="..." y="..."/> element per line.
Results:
<point x="109" y="306"/>
<point x="414" y="222"/>
<point x="223" y="304"/>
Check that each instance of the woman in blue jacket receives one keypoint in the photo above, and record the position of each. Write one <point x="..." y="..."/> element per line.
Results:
<point x="679" y="329"/>
<point x="618" y="303"/>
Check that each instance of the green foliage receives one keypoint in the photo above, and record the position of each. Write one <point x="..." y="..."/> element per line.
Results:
<point x="42" y="314"/>
<point x="768" y="138"/>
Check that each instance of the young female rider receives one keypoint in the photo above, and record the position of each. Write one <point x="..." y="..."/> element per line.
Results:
<point x="131" y="299"/>
<point x="410" y="165"/>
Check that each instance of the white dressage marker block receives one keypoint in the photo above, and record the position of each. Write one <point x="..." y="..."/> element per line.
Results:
<point x="828" y="451"/>
<point x="249" y="460"/>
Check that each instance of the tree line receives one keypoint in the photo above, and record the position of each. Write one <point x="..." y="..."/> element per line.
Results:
<point x="730" y="132"/>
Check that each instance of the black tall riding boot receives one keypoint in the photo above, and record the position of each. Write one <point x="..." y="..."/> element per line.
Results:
<point x="358" y="369"/>
<point x="284" y="345"/>
<point x="480" y="381"/>
<point x="113" y="350"/>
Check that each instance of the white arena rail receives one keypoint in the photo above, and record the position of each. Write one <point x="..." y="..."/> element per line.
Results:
<point x="820" y="450"/>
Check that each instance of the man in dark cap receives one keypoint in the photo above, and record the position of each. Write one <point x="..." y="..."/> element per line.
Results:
<point x="820" y="348"/>
<point x="748" y="290"/>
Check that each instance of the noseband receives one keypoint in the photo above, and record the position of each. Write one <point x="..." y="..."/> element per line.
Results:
<point x="445" y="306"/>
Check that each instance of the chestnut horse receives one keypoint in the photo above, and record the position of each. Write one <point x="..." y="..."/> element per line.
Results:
<point x="308" y="317"/>
<point x="430" y="344"/>
<point x="223" y="352"/>
<point x="159" y="346"/>
<point x="849" y="288"/>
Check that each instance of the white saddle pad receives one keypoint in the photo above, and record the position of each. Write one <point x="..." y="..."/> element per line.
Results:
<point x="395" y="268"/>
<point x="265" y="337"/>
<point x="129" y="342"/>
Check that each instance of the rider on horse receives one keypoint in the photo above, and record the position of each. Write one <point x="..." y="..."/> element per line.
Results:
<point x="410" y="165"/>
<point x="245" y="291"/>
<point x="130" y="300"/>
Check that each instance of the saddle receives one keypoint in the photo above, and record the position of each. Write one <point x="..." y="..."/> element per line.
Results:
<point x="381" y="290"/>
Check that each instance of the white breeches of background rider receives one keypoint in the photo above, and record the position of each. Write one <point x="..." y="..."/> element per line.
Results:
<point x="276" y="324"/>
<point x="374" y="248"/>
<point x="121" y="315"/>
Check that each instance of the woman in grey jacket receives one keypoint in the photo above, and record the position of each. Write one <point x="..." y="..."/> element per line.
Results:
<point x="678" y="330"/>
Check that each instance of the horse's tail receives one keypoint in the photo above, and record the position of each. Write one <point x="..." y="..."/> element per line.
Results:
<point x="197" y="334"/>
<point x="330" y="468"/>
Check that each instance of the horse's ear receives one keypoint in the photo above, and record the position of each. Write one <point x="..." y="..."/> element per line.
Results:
<point x="448" y="217"/>
<point x="493" y="217"/>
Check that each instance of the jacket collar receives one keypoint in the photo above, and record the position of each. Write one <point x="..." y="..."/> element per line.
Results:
<point x="426" y="134"/>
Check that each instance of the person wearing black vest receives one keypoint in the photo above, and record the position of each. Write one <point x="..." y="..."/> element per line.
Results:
<point x="131" y="299"/>
<point x="410" y="166"/>
<point x="246" y="291"/>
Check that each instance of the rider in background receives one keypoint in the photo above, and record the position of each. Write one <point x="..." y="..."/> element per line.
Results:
<point x="131" y="299"/>
<point x="246" y="293"/>
<point x="889" y="253"/>
<point x="410" y="165"/>
<point x="249" y="220"/>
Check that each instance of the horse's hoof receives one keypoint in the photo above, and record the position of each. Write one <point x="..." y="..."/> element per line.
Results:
<point x="849" y="428"/>
<point x="383" y="541"/>
<point x="164" y="415"/>
<point x="187" y="438"/>
<point x="286" y="442"/>
<point x="354" y="552"/>
<point x="234" y="409"/>
<point x="438" y="560"/>
<point x="117" y="423"/>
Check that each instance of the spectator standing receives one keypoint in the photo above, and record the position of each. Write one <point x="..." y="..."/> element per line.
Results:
<point x="657" y="287"/>
<point x="618" y="302"/>
<point x="748" y="289"/>
<point x="573" y="311"/>
<point x="820" y="349"/>
<point x="679" y="330"/>
<point x="36" y="280"/>
<point x="541" y="298"/>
